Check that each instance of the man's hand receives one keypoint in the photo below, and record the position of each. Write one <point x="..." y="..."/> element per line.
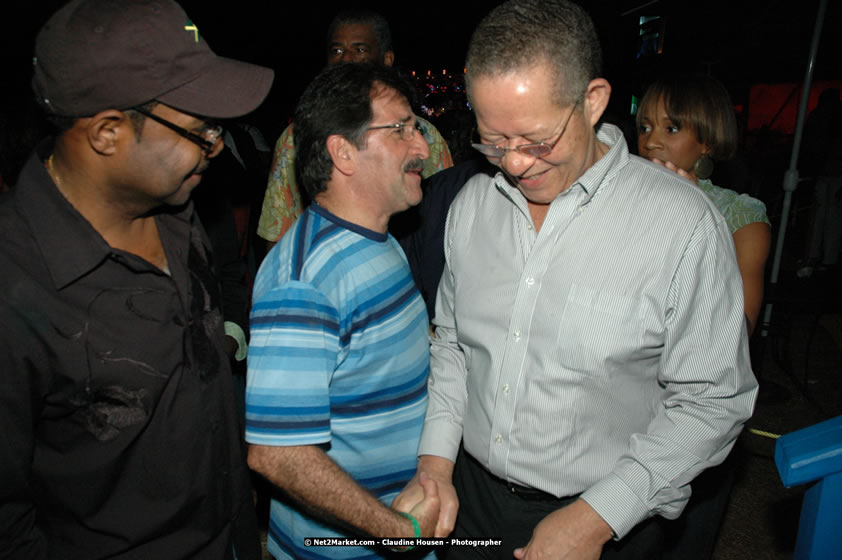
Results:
<point x="572" y="532"/>
<point x="439" y="470"/>
<point x="426" y="512"/>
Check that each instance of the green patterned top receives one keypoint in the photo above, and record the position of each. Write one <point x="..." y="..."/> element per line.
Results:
<point x="739" y="210"/>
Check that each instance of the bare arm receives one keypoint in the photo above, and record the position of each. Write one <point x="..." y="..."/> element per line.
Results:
<point x="752" y="243"/>
<point x="308" y="475"/>
<point x="440" y="470"/>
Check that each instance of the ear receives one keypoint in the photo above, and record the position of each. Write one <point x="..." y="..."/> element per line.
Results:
<point x="389" y="58"/>
<point x="596" y="99"/>
<point x="106" y="129"/>
<point x="343" y="153"/>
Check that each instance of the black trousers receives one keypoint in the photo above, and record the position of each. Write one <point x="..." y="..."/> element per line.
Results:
<point x="489" y="509"/>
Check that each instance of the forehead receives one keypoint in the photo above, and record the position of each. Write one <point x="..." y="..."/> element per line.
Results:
<point x="515" y="103"/>
<point x="354" y="33"/>
<point x="388" y="105"/>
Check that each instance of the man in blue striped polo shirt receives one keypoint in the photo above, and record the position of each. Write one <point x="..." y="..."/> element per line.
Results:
<point x="339" y="356"/>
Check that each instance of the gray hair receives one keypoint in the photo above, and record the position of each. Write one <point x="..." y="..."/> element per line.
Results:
<point x="521" y="34"/>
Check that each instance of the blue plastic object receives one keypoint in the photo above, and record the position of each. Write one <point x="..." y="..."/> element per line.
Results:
<point x="815" y="454"/>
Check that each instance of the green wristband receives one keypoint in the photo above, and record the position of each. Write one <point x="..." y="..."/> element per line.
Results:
<point x="415" y="526"/>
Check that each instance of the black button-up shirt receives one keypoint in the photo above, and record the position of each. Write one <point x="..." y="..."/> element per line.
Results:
<point x="118" y="432"/>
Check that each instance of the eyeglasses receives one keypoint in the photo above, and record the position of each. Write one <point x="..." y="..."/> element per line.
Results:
<point x="206" y="138"/>
<point x="407" y="131"/>
<point x="538" y="150"/>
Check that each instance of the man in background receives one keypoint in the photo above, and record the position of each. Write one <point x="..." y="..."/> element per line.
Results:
<point x="353" y="36"/>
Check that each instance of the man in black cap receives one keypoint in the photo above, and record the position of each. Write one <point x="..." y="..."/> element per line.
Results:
<point x="120" y="438"/>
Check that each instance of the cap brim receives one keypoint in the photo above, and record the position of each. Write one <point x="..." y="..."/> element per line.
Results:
<point x="226" y="88"/>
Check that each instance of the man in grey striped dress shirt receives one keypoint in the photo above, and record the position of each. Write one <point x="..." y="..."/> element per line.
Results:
<point x="590" y="356"/>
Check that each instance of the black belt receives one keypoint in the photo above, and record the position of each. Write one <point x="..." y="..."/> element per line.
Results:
<point x="524" y="492"/>
<point x="532" y="494"/>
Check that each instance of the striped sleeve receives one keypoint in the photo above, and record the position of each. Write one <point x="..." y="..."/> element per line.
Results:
<point x="707" y="394"/>
<point x="292" y="355"/>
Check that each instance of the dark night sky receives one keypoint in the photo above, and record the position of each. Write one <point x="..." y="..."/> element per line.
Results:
<point x="739" y="41"/>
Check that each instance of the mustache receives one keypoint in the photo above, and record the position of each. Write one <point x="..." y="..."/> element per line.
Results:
<point x="414" y="164"/>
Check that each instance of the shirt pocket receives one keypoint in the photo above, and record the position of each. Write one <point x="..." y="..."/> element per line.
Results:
<point x="598" y="330"/>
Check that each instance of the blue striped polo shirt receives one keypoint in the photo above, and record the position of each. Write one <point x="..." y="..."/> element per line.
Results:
<point x="339" y="357"/>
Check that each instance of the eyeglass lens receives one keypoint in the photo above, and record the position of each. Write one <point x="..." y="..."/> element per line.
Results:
<point x="536" y="150"/>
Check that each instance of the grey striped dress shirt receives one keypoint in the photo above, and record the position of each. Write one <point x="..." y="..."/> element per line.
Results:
<point x="606" y="354"/>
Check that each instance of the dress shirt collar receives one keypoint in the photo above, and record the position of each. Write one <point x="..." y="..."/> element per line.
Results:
<point x="598" y="177"/>
<point x="594" y="178"/>
<point x="70" y="245"/>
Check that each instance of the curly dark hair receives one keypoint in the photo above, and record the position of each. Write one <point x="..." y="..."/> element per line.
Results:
<point x="337" y="101"/>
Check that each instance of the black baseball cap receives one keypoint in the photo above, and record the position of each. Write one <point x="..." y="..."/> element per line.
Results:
<point x="94" y="55"/>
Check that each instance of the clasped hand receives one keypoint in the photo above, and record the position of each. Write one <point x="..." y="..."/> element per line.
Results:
<point x="426" y="509"/>
<point x="417" y="497"/>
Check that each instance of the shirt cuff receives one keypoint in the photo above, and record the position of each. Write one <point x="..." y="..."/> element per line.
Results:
<point x="440" y="438"/>
<point x="615" y="502"/>
<point x="236" y="332"/>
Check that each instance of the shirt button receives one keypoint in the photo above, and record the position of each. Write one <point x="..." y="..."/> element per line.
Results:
<point x="516" y="335"/>
<point x="530" y="281"/>
<point x="529" y="227"/>
<point x="506" y="388"/>
<point x="499" y="439"/>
